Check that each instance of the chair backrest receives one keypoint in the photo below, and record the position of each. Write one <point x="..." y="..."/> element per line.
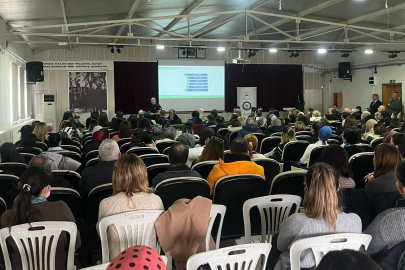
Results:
<point x="276" y="134"/>
<point x="232" y="191"/>
<point x="205" y="167"/>
<point x="365" y="141"/>
<point x="122" y="141"/>
<point x="302" y="137"/>
<point x="155" y="169"/>
<point x="289" y="183"/>
<point x="72" y="176"/>
<point x="334" y="141"/>
<point x="197" y="128"/>
<point x="143" y="150"/>
<point x="321" y="245"/>
<point x="139" y="224"/>
<point x="27" y="157"/>
<point x="3" y="206"/>
<point x="365" y="147"/>
<point x="31" y="150"/>
<point x="7" y="181"/>
<point x="315" y="155"/>
<point x="268" y="144"/>
<point x="72" y="198"/>
<point x="299" y="133"/>
<point x="166" y="151"/>
<point x="96" y="195"/>
<point x="260" y="137"/>
<point x="216" y="209"/>
<point x="335" y="124"/>
<point x="293" y="151"/>
<point x="41" y="145"/>
<point x="70" y="154"/>
<point x="274" y="209"/>
<point x="90" y="155"/>
<point x="16" y="168"/>
<point x="173" y="189"/>
<point x="233" y="136"/>
<point x="151" y="159"/>
<point x="92" y="162"/>
<point x="112" y="134"/>
<point x="374" y="143"/>
<point x="86" y="139"/>
<point x="46" y="234"/>
<point x="125" y="147"/>
<point x="361" y="165"/>
<point x="72" y="148"/>
<point x="232" y="258"/>
<point x="161" y="146"/>
<point x="223" y="131"/>
<point x="271" y="169"/>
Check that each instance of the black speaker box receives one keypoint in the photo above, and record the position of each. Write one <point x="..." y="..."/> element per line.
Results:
<point x="35" y="71"/>
<point x="344" y="70"/>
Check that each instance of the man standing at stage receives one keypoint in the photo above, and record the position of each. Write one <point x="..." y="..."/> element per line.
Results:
<point x="154" y="109"/>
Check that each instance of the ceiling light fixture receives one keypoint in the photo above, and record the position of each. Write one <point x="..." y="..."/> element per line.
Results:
<point x="118" y="50"/>
<point x="321" y="51"/>
<point x="272" y="50"/>
<point x="160" y="47"/>
<point x="345" y="55"/>
<point x="369" y="51"/>
<point x="221" y="49"/>
<point x="291" y="55"/>
<point x="296" y="54"/>
<point x="392" y="55"/>
<point x="112" y="50"/>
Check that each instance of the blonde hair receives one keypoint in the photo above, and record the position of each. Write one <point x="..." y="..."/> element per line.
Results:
<point x="41" y="130"/>
<point x="321" y="184"/>
<point x="288" y="135"/>
<point x="238" y="112"/>
<point x="253" y="143"/>
<point x="299" y="125"/>
<point x="259" y="112"/>
<point x="316" y="113"/>
<point x="130" y="176"/>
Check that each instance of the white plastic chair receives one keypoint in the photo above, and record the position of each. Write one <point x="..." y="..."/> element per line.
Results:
<point x="277" y="209"/>
<point x="42" y="233"/>
<point x="321" y="245"/>
<point x="104" y="266"/>
<point x="235" y="257"/>
<point x="216" y="209"/>
<point x="132" y="223"/>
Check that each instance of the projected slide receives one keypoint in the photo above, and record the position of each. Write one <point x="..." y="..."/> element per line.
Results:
<point x="186" y="85"/>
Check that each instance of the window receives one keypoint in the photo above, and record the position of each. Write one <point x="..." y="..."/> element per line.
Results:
<point x="18" y="93"/>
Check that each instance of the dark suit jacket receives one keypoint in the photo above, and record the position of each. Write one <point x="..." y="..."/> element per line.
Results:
<point x="175" y="171"/>
<point x="395" y="106"/>
<point x="374" y="108"/>
<point x="95" y="176"/>
<point x="357" y="115"/>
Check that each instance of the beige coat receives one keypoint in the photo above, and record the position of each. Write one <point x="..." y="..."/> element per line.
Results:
<point x="182" y="229"/>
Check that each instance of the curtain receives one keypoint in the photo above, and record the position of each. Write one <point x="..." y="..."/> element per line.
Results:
<point x="277" y="85"/>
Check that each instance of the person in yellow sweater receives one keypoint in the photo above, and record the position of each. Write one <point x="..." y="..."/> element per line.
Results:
<point x="236" y="162"/>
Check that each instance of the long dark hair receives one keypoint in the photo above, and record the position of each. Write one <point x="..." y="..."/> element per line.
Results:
<point x="9" y="153"/>
<point x="29" y="140"/>
<point x="125" y="129"/>
<point x="336" y="156"/>
<point x="103" y="120"/>
<point x="32" y="182"/>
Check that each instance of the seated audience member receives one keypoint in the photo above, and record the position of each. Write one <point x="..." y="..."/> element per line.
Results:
<point x="142" y="257"/>
<point x="287" y="136"/>
<point x="350" y="138"/>
<point x="394" y="123"/>
<point x="147" y="140"/>
<point x="377" y="116"/>
<point x="96" y="140"/>
<point x="236" y="162"/>
<point x="323" y="135"/>
<point x="210" y="122"/>
<point x="381" y="117"/>
<point x="28" y="141"/>
<point x="157" y="131"/>
<point x="219" y="123"/>
<point x="131" y="192"/>
<point x="66" y="139"/>
<point x="115" y="124"/>
<point x="357" y="113"/>
<point x="103" y="120"/>
<point x="316" y="116"/>
<point x="387" y="228"/>
<point x="369" y="128"/>
<point x="215" y="114"/>
<point x="124" y="131"/>
<point x="26" y="129"/>
<point x="238" y="112"/>
<point x="252" y="112"/>
<point x="41" y="131"/>
<point x="70" y="128"/>
<point x="169" y="134"/>
<point x="322" y="216"/>
<point x="108" y="154"/>
<point x="236" y="125"/>
<point x="365" y="116"/>
<point x="43" y="162"/>
<point x="300" y="126"/>
<point x="174" y="119"/>
<point x="335" y="156"/>
<point x="31" y="206"/>
<point x="188" y="128"/>
<point x="388" y="136"/>
<point x="66" y="116"/>
<point x="253" y="145"/>
<point x="145" y="124"/>
<point x="386" y="159"/>
<point x="347" y="259"/>
<point x="202" y="116"/>
<point x="55" y="142"/>
<point x="261" y="120"/>
<point x="135" y="138"/>
<point x="134" y="123"/>
<point x="178" y="157"/>
<point x="378" y="131"/>
<point x="92" y="124"/>
<point x="93" y="116"/>
<point x="141" y="114"/>
<point x="9" y="153"/>
<point x="309" y="112"/>
<point x="195" y="119"/>
<point x="213" y="150"/>
<point x="302" y="118"/>
<point x="249" y="128"/>
<point x="276" y="125"/>
<point x="196" y="151"/>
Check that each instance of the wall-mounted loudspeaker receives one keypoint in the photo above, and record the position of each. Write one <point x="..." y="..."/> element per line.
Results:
<point x="372" y="81"/>
<point x="344" y="70"/>
<point x="35" y="72"/>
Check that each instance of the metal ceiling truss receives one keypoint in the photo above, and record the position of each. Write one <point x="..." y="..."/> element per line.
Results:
<point x="231" y="16"/>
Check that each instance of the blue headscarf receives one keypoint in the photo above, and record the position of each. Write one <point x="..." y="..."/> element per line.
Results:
<point x="324" y="134"/>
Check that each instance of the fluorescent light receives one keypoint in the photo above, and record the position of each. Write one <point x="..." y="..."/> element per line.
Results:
<point x="272" y="50"/>
<point x="160" y="47"/>
<point x="321" y="51"/>
<point x="221" y="49"/>
<point x="369" y="51"/>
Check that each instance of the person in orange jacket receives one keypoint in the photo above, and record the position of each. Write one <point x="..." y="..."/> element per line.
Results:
<point x="236" y="162"/>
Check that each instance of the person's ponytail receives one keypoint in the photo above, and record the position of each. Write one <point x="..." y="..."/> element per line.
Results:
<point x="250" y="149"/>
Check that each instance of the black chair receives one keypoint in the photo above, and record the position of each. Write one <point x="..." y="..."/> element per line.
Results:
<point x="7" y="181"/>
<point x="276" y="134"/>
<point x="333" y="141"/>
<point x="271" y="169"/>
<point x="335" y="124"/>
<point x="173" y="189"/>
<point x="166" y="151"/>
<point x="85" y="140"/>
<point x="233" y="136"/>
<point x="315" y="155"/>
<point x="335" y="137"/>
<point x="92" y="162"/>
<point x="302" y="137"/>
<point x="365" y="141"/>
<point x="3" y="206"/>
<point x="125" y="147"/>
<point x="143" y="151"/>
<point x="366" y="147"/>
<point x="151" y="159"/>
<point x="292" y="152"/>
<point x="374" y="143"/>
<point x="30" y="150"/>
<point x="90" y="155"/>
<point x="41" y="145"/>
<point x="299" y="133"/>
<point x="161" y="146"/>
<point x="361" y="164"/>
<point x="77" y="144"/>
<point x="72" y="176"/>
<point x="268" y="144"/>
<point x="123" y="141"/>
<point x="289" y="183"/>
<point x="223" y="131"/>
<point x="112" y="134"/>
<point x="155" y="169"/>
<point x="72" y="198"/>
<point x="204" y="167"/>
<point x="72" y="148"/>
<point x="260" y="137"/>
<point x="70" y="154"/>
<point x="27" y="157"/>
<point x="232" y="191"/>
<point x="16" y="168"/>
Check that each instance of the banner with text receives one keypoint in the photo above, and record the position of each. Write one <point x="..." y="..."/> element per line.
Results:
<point x="78" y="65"/>
<point x="247" y="98"/>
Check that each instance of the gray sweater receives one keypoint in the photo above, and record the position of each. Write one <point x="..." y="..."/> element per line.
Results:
<point x="382" y="184"/>
<point x="300" y="226"/>
<point x="387" y="230"/>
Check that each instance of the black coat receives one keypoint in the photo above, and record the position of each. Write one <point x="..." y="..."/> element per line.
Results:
<point x="95" y="176"/>
<point x="374" y="108"/>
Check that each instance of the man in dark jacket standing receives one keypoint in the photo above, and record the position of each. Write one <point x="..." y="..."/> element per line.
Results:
<point x="395" y="105"/>
<point x="249" y="128"/>
<point x="374" y="104"/>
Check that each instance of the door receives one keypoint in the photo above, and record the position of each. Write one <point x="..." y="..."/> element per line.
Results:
<point x="387" y="89"/>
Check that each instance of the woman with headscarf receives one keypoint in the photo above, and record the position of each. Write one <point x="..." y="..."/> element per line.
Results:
<point x="324" y="135"/>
